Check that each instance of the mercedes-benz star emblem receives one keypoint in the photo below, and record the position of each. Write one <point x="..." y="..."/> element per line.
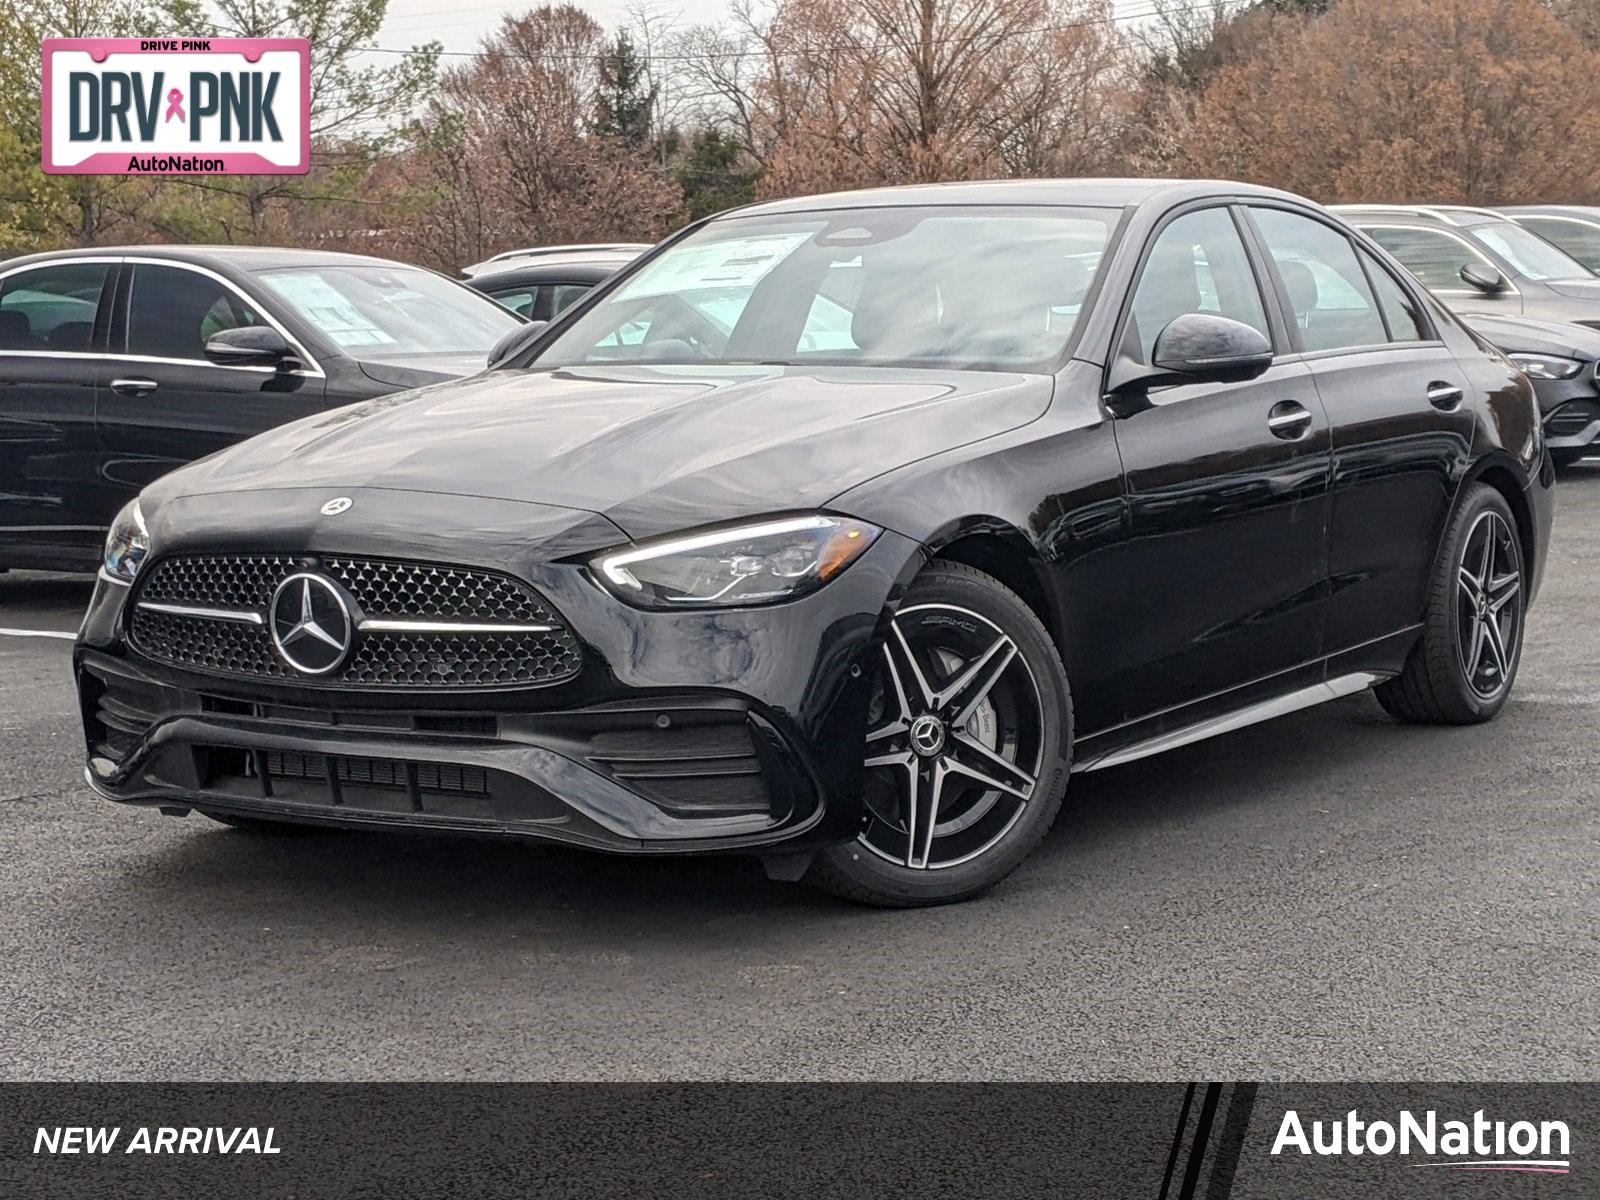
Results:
<point x="927" y="735"/>
<point x="311" y="624"/>
<point x="336" y="506"/>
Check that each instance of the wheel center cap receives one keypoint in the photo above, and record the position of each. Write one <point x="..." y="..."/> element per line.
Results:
<point x="927" y="735"/>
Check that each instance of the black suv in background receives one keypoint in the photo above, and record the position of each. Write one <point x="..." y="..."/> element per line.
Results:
<point x="117" y="365"/>
<point x="1526" y="296"/>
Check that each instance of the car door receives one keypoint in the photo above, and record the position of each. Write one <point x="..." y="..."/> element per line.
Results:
<point x="53" y="319"/>
<point x="1226" y="486"/>
<point x="161" y="402"/>
<point x="1402" y="427"/>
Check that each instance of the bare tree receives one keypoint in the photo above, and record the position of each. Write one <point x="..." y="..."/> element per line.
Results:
<point x="1446" y="100"/>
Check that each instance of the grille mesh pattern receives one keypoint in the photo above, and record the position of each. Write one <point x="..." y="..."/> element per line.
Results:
<point x="383" y="589"/>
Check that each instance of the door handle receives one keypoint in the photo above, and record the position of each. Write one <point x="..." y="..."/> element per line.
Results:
<point x="1289" y="419"/>
<point x="133" y="387"/>
<point x="1446" y="397"/>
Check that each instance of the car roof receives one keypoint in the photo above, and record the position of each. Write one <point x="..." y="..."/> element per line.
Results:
<point x="1089" y="193"/>
<point x="1455" y="216"/>
<point x="586" y="270"/>
<point x="241" y="258"/>
<point x="619" y="252"/>
<point x="1587" y="212"/>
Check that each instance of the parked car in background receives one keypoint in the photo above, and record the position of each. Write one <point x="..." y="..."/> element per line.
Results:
<point x="506" y="258"/>
<point x="1477" y="260"/>
<point x="841" y="530"/>
<point x="117" y="365"/>
<point x="1575" y="228"/>
<point x="540" y="284"/>
<point x="1562" y="359"/>
<point x="1524" y="295"/>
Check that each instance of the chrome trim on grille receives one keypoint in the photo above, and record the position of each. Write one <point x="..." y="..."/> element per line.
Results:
<point x="205" y="614"/>
<point x="380" y="625"/>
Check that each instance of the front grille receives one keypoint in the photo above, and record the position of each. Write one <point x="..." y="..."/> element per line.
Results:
<point x="382" y="589"/>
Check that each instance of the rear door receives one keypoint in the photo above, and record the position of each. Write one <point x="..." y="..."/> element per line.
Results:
<point x="54" y="508"/>
<point x="1397" y="402"/>
<point x="162" y="403"/>
<point x="1227" y="488"/>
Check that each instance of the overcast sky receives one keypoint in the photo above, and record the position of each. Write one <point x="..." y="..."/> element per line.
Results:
<point x="461" y="24"/>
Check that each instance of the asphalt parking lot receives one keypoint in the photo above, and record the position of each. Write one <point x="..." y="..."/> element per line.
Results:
<point x="1329" y="896"/>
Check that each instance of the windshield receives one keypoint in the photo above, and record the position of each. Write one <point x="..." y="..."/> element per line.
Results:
<point x="997" y="288"/>
<point x="382" y="311"/>
<point x="1529" y="254"/>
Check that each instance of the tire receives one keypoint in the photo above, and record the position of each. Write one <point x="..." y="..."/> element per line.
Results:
<point x="1012" y="725"/>
<point x="1458" y="673"/>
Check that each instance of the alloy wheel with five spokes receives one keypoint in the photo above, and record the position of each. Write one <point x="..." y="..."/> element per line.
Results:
<point x="1489" y="601"/>
<point x="956" y="741"/>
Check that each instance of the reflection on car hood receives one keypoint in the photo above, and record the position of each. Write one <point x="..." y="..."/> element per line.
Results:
<point x="1533" y="335"/>
<point x="1578" y="289"/>
<point x="419" y="370"/>
<point x="653" y="449"/>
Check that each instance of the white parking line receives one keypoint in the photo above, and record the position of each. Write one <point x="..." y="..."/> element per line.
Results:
<point x="42" y="633"/>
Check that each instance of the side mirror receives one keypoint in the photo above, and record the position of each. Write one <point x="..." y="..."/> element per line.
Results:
<point x="1488" y="280"/>
<point x="518" y="340"/>
<point x="1197" y="348"/>
<point x="251" y="346"/>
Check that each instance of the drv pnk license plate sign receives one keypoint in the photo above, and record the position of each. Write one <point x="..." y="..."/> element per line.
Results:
<point x="177" y="106"/>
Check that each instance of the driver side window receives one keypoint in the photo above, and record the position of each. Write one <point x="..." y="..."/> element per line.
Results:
<point x="1197" y="265"/>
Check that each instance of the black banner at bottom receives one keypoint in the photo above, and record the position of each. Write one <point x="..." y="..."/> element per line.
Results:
<point x="1238" y="1141"/>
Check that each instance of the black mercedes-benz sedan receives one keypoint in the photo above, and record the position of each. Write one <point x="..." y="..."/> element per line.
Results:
<point x="841" y="530"/>
<point x="117" y="365"/>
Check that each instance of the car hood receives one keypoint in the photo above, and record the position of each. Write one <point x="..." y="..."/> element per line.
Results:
<point x="419" y="370"/>
<point x="1532" y="335"/>
<point x="654" y="449"/>
<point x="1578" y="289"/>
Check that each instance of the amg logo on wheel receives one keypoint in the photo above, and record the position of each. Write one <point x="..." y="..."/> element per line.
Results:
<point x="193" y="106"/>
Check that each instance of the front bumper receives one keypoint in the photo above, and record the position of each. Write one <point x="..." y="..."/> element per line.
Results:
<point x="1570" y="410"/>
<point x="684" y="732"/>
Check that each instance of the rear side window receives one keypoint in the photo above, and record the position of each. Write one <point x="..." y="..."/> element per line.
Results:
<point x="1399" y="312"/>
<point x="1434" y="258"/>
<point x="1332" y="303"/>
<point x="540" y="301"/>
<point x="1198" y="264"/>
<point x="173" y="313"/>
<point x="51" y="308"/>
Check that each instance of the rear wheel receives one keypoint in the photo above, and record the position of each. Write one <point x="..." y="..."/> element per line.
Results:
<point x="967" y="742"/>
<point x="1463" y="666"/>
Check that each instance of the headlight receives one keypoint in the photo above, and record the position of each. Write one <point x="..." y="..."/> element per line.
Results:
<point x="127" y="544"/>
<point x="1546" y="366"/>
<point x="747" y="564"/>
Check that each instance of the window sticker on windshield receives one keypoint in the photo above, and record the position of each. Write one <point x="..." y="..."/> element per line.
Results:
<point x="738" y="262"/>
<point x="333" y="315"/>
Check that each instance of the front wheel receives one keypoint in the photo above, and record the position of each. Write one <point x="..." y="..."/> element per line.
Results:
<point x="1464" y="664"/>
<point x="968" y="735"/>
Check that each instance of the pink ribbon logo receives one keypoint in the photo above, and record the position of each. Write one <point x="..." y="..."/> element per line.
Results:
<point x="175" y="105"/>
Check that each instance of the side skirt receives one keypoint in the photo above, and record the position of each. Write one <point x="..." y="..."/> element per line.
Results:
<point x="1251" y="714"/>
